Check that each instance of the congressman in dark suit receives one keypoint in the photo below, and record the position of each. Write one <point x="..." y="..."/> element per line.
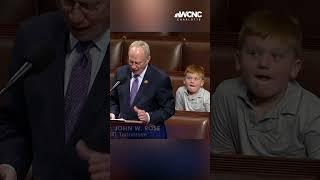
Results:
<point x="146" y="95"/>
<point x="55" y="119"/>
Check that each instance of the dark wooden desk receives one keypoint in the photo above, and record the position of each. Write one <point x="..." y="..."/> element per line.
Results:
<point x="238" y="167"/>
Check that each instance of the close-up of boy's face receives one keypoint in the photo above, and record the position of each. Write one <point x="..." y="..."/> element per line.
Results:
<point x="267" y="65"/>
<point x="193" y="82"/>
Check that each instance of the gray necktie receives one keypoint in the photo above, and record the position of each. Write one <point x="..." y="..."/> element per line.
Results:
<point x="77" y="90"/>
<point x="134" y="88"/>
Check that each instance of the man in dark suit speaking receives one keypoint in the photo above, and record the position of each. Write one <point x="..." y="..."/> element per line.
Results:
<point x="146" y="94"/>
<point x="55" y="119"/>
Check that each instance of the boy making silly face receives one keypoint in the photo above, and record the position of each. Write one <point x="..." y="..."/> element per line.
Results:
<point x="265" y="111"/>
<point x="268" y="58"/>
<point x="193" y="82"/>
<point x="192" y="96"/>
<point x="266" y="66"/>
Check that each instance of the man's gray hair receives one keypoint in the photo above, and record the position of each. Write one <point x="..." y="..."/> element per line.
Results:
<point x="143" y="45"/>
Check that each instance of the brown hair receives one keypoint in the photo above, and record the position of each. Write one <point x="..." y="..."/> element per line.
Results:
<point x="266" y="24"/>
<point x="195" y="69"/>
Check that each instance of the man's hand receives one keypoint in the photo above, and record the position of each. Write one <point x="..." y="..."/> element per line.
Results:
<point x="142" y="115"/>
<point x="99" y="163"/>
<point x="7" y="172"/>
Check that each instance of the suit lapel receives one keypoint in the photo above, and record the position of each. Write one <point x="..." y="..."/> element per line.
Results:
<point x="56" y="85"/>
<point x="126" y="89"/>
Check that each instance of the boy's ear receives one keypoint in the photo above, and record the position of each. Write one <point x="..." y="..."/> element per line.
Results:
<point x="295" y="69"/>
<point x="237" y="60"/>
<point x="202" y="83"/>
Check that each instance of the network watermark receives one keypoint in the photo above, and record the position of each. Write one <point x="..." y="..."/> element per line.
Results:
<point x="188" y="16"/>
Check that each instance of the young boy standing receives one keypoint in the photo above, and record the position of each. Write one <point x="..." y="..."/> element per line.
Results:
<point x="192" y="96"/>
<point x="265" y="111"/>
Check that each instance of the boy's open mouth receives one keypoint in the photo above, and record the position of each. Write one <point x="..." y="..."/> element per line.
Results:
<point x="263" y="77"/>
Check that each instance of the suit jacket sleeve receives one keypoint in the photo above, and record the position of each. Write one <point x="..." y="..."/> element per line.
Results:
<point x="165" y="99"/>
<point x="15" y="138"/>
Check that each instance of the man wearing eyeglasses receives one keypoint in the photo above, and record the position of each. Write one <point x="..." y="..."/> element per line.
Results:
<point x="55" y="119"/>
<point x="147" y="93"/>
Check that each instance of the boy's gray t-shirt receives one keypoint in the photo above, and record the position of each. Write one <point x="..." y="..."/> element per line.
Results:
<point x="199" y="102"/>
<point x="290" y="129"/>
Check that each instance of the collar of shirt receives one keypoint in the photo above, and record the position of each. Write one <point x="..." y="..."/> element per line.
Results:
<point x="101" y="43"/>
<point x="287" y="105"/>
<point x="98" y="53"/>
<point x="199" y="94"/>
<point x="140" y="77"/>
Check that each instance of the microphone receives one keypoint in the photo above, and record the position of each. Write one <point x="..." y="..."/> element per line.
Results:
<point x="119" y="81"/>
<point x="37" y="59"/>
